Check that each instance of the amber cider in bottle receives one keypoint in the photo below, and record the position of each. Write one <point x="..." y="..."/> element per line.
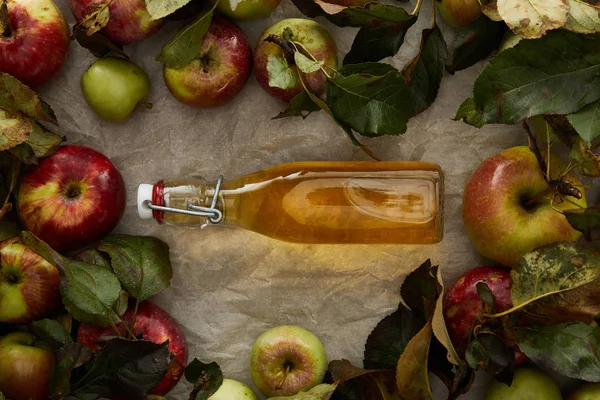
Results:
<point x="311" y="202"/>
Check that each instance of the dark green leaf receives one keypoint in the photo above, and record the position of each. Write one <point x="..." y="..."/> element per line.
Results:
<point x="122" y="303"/>
<point x="8" y="229"/>
<point x="206" y="378"/>
<point x="485" y="293"/>
<point x="470" y="114"/>
<point x="51" y="331"/>
<point x="88" y="291"/>
<point x="584" y="220"/>
<point x="587" y="122"/>
<point x="24" y="153"/>
<point x="475" y="42"/>
<point x="412" y="371"/>
<point x="99" y="45"/>
<point x="161" y="8"/>
<point x="458" y="379"/>
<point x="93" y="256"/>
<point x="319" y="392"/>
<point x="372" y="15"/>
<point x="572" y="349"/>
<point x="389" y="338"/>
<point x="421" y="288"/>
<point x="43" y="142"/>
<point x="587" y="161"/>
<point x="141" y="263"/>
<point x="187" y="43"/>
<point x="10" y="168"/>
<point x="309" y="8"/>
<point x="16" y="96"/>
<point x="369" y="102"/>
<point x="556" y="74"/>
<point x="424" y="72"/>
<point x="126" y="368"/>
<point x="300" y="106"/>
<point x="488" y="353"/>
<point x="14" y="129"/>
<point x="67" y="358"/>
<point x="357" y="383"/>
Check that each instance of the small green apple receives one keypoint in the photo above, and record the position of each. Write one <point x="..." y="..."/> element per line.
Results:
<point x="587" y="391"/>
<point x="247" y="9"/>
<point x="528" y="384"/>
<point x="113" y="87"/>
<point x="286" y="360"/>
<point x="233" y="390"/>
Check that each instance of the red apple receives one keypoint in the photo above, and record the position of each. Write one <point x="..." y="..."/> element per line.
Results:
<point x="463" y="307"/>
<point x="26" y="366"/>
<point x="458" y="13"/>
<point x="72" y="198"/>
<point x="153" y="324"/>
<point x="219" y="73"/>
<point x="315" y="38"/>
<point x="129" y="19"/>
<point x="28" y="284"/>
<point x="34" y="45"/>
<point x="507" y="208"/>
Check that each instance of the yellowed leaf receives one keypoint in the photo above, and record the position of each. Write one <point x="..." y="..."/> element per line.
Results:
<point x="531" y="19"/>
<point x="412" y="372"/>
<point x="490" y="9"/>
<point x="439" y="326"/>
<point x="14" y="129"/>
<point x="583" y="17"/>
<point x="330" y="8"/>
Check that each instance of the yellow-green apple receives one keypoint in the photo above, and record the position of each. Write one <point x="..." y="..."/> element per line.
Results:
<point x="508" y="209"/>
<point x="287" y="359"/>
<point x="153" y="324"/>
<point x="458" y="13"/>
<point x="528" y="383"/>
<point x="463" y="307"/>
<point x="218" y="73"/>
<point x="129" y="19"/>
<point x="72" y="198"/>
<point x="34" y="41"/>
<point x="316" y="40"/>
<point x="587" y="391"/>
<point x="233" y="390"/>
<point x="247" y="9"/>
<point x="26" y="366"/>
<point x="114" y="87"/>
<point x="28" y="284"/>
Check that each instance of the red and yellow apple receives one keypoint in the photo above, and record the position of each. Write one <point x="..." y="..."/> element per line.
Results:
<point x="314" y="37"/>
<point x="458" y="13"/>
<point x="219" y="73"/>
<point x="247" y="9"/>
<point x="34" y="45"/>
<point x="26" y="366"/>
<point x="129" y="19"/>
<point x="586" y="391"/>
<point x="72" y="198"/>
<point x="28" y="284"/>
<point x="508" y="209"/>
<point x="153" y="324"/>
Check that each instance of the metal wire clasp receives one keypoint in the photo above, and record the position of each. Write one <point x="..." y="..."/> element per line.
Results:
<point x="212" y="213"/>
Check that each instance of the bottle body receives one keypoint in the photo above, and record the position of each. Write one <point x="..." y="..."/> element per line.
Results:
<point x="323" y="202"/>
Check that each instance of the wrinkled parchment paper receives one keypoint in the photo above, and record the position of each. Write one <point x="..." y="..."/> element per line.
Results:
<point x="230" y="285"/>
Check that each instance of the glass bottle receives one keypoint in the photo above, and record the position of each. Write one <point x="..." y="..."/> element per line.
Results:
<point x="311" y="202"/>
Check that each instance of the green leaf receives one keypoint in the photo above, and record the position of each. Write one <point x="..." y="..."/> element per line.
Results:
<point x="206" y="378"/>
<point x="323" y="391"/>
<point x="93" y="256"/>
<point x="17" y="97"/>
<point x="305" y="64"/>
<point x="24" y="153"/>
<point x="99" y="45"/>
<point x="161" y="8"/>
<point x="371" y="15"/>
<point x="10" y="168"/>
<point x="583" y="17"/>
<point x="586" y="160"/>
<point x="122" y="303"/>
<point x="51" y="331"/>
<point x="43" y="142"/>
<point x="358" y="383"/>
<point x="125" y="368"/>
<point x="301" y="105"/>
<point x="458" y="379"/>
<point x="309" y="8"/>
<point x="584" y="220"/>
<point x="141" y="263"/>
<point x="557" y="74"/>
<point x="487" y="352"/>
<point x="8" y="229"/>
<point x="571" y="349"/>
<point x="67" y="358"/>
<point x="587" y="122"/>
<point x="420" y="288"/>
<point x="88" y="291"/>
<point x="470" y="114"/>
<point x="474" y="43"/>
<point x="531" y="19"/>
<point x="424" y="72"/>
<point x="280" y="73"/>
<point x="412" y="372"/>
<point x="368" y="101"/>
<point x="187" y="43"/>
<point x="14" y="129"/>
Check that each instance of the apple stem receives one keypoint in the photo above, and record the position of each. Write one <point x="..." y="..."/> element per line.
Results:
<point x="418" y="8"/>
<point x="537" y="198"/>
<point x="145" y="104"/>
<point x="135" y="311"/>
<point x="285" y="375"/>
<point x="5" y="28"/>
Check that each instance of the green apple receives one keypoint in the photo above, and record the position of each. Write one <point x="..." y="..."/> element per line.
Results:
<point x="233" y="390"/>
<point x="458" y="13"/>
<point x="26" y="366"/>
<point x="587" y="391"/>
<point x="286" y="360"/>
<point x="508" y="209"/>
<point x="528" y="384"/>
<point x="114" y="87"/>
<point x="247" y="9"/>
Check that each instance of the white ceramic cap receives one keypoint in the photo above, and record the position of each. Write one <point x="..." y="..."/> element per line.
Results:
<point x="144" y="194"/>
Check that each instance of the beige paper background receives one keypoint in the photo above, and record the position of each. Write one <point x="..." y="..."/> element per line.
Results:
<point x="231" y="285"/>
